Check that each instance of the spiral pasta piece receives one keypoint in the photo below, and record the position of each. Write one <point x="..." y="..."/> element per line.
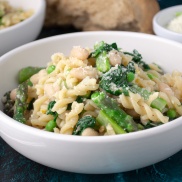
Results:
<point x="172" y="102"/>
<point x="62" y="100"/>
<point x="174" y="80"/>
<point x="136" y="102"/>
<point x="72" y="118"/>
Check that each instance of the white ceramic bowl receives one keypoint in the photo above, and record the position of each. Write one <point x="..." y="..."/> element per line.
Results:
<point x="102" y="154"/>
<point x="160" y="21"/>
<point x="25" y="31"/>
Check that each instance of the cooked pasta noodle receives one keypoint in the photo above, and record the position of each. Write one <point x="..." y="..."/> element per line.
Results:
<point x="135" y="101"/>
<point x="72" y="118"/>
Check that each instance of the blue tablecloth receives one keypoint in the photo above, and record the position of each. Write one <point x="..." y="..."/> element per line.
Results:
<point x="16" y="168"/>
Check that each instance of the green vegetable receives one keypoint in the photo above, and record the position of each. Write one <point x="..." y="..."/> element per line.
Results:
<point x="151" y="124"/>
<point x="83" y="123"/>
<point x="171" y="113"/>
<point x="102" y="46"/>
<point x="30" y="104"/>
<point x="103" y="119"/>
<point x="50" y="125"/>
<point x="50" y="69"/>
<point x="113" y="111"/>
<point x="130" y="76"/>
<point x="20" y="102"/>
<point x="115" y="81"/>
<point x="100" y="52"/>
<point x="118" y="80"/>
<point x="141" y="91"/>
<point x="50" y="106"/>
<point x="80" y="99"/>
<point x="102" y="62"/>
<point x="25" y="73"/>
<point x="29" y="83"/>
<point x="137" y="58"/>
<point x="159" y="103"/>
<point x="150" y="76"/>
<point x="1" y="21"/>
<point x="8" y="104"/>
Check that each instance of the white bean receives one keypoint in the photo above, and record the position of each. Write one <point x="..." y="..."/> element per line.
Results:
<point x="50" y="89"/>
<point x="115" y="57"/>
<point x="13" y="94"/>
<point x="82" y="72"/>
<point x="35" y="78"/>
<point x="79" y="52"/>
<point x="90" y="132"/>
<point x="166" y="89"/>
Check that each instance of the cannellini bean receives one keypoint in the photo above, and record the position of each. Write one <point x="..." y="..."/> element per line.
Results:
<point x="79" y="52"/>
<point x="50" y="89"/>
<point x="166" y="89"/>
<point x="90" y="132"/>
<point x="114" y="57"/>
<point x="35" y="78"/>
<point x="82" y="72"/>
<point x="13" y="94"/>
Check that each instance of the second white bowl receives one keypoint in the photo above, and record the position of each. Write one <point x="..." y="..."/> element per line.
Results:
<point x="160" y="21"/>
<point x="25" y="31"/>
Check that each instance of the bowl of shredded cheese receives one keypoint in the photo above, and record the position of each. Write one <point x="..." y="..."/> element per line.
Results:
<point x="168" y="23"/>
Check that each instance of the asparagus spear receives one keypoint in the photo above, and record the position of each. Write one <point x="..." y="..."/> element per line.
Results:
<point x="20" y="102"/>
<point x="102" y="62"/>
<point x="100" y="52"/>
<point x="25" y="73"/>
<point x="103" y="119"/>
<point x="113" y="111"/>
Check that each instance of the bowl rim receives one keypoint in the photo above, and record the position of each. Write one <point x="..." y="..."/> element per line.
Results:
<point x="158" y="25"/>
<point x="91" y="139"/>
<point x="41" y="8"/>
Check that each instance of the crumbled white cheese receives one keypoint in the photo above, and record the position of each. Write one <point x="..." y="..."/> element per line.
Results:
<point x="175" y="24"/>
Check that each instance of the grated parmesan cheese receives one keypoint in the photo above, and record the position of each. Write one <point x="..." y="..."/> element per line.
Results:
<point x="175" y="24"/>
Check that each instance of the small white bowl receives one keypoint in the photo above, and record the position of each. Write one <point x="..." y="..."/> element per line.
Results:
<point x="160" y="21"/>
<point x="25" y="31"/>
<point x="100" y="154"/>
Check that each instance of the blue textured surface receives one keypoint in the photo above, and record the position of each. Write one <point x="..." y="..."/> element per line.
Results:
<point x="16" y="168"/>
